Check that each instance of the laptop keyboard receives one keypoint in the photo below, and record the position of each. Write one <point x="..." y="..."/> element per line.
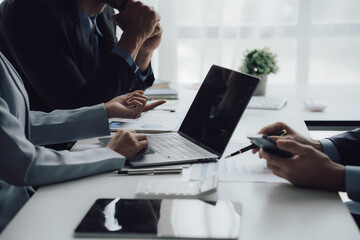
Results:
<point x="175" y="147"/>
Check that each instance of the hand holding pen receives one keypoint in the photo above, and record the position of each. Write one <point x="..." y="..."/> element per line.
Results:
<point x="252" y="146"/>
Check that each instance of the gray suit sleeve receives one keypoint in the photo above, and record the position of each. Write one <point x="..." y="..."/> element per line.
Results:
<point x="352" y="179"/>
<point x="352" y="173"/>
<point x="68" y="125"/>
<point x="23" y="163"/>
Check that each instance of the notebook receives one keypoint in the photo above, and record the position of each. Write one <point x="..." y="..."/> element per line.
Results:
<point x="208" y="124"/>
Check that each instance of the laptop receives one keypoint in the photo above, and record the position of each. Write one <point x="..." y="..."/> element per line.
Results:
<point x="209" y="122"/>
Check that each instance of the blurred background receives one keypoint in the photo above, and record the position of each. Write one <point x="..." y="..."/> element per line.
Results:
<point x="316" y="41"/>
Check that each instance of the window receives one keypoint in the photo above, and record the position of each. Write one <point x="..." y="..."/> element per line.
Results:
<point x="317" y="41"/>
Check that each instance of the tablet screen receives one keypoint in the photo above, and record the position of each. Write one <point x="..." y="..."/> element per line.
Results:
<point x="161" y="218"/>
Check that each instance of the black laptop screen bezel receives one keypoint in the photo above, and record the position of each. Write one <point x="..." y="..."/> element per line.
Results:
<point x="215" y="70"/>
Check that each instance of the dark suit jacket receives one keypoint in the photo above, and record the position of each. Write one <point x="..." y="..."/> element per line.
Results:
<point x="58" y="59"/>
<point x="348" y="145"/>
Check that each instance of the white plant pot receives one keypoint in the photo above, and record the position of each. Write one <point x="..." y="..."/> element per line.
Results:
<point x="261" y="88"/>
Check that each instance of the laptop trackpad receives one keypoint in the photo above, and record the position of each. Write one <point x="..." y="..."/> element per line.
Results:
<point x="149" y="151"/>
<point x="141" y="153"/>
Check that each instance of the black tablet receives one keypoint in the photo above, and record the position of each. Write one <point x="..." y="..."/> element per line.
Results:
<point x="161" y="218"/>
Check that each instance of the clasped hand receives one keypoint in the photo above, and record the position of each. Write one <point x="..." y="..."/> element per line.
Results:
<point x="142" y="31"/>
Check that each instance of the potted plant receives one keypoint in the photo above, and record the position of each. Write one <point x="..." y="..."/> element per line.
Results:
<point x="260" y="63"/>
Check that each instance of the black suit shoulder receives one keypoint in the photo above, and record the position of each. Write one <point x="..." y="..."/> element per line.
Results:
<point x="58" y="59"/>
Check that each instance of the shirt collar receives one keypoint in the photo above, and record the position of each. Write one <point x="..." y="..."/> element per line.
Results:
<point x="86" y="23"/>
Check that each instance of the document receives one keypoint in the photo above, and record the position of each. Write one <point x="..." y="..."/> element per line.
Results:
<point x="245" y="167"/>
<point x="152" y="121"/>
<point x="82" y="147"/>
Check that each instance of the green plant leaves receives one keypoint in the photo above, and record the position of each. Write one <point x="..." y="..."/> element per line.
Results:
<point x="259" y="62"/>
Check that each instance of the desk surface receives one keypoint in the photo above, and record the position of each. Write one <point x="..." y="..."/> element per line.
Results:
<point x="270" y="210"/>
<point x="341" y="100"/>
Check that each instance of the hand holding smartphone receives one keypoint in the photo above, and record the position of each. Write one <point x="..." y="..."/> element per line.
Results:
<point x="264" y="142"/>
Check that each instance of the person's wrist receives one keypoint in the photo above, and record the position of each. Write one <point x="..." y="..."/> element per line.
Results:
<point x="110" y="110"/>
<point x="131" y="44"/>
<point x="316" y="144"/>
<point x="143" y="61"/>
<point x="337" y="177"/>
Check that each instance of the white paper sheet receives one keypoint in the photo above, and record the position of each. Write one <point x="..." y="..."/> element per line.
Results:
<point x="156" y="121"/>
<point x="246" y="167"/>
<point x="82" y="147"/>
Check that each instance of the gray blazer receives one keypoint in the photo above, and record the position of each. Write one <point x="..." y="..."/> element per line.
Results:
<point x="24" y="163"/>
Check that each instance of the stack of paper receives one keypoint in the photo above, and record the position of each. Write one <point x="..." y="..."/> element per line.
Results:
<point x="160" y="84"/>
<point x="161" y="93"/>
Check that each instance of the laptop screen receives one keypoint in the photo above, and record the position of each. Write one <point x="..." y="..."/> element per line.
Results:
<point x="217" y="108"/>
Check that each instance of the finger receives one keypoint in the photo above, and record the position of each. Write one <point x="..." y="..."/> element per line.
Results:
<point x="273" y="159"/>
<point x="276" y="138"/>
<point x="141" y="137"/>
<point x="138" y="105"/>
<point x="157" y="16"/>
<point x="294" y="147"/>
<point x="157" y="31"/>
<point x="144" y="144"/>
<point x="120" y="131"/>
<point x="136" y="110"/>
<point x="255" y="150"/>
<point x="272" y="166"/>
<point x="138" y="99"/>
<point x="276" y="170"/>
<point x="153" y="105"/>
<point x="137" y="93"/>
<point x="272" y="128"/>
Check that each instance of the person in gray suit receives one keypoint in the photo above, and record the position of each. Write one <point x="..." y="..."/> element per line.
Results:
<point x="23" y="162"/>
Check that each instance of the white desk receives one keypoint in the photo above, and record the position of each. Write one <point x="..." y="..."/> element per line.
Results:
<point x="270" y="211"/>
<point x="342" y="101"/>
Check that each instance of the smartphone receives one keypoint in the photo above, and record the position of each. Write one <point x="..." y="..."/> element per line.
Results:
<point x="264" y="142"/>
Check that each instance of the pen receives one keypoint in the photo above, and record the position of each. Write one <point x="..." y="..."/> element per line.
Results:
<point x="154" y="171"/>
<point x="247" y="148"/>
